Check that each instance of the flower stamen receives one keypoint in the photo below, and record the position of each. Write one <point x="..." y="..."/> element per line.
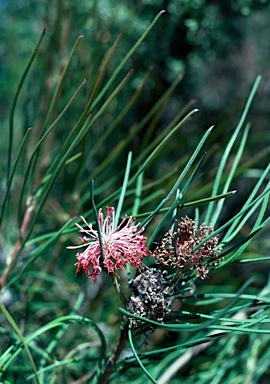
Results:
<point x="121" y="245"/>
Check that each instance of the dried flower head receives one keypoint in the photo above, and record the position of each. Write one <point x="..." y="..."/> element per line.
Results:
<point x="177" y="248"/>
<point x="121" y="245"/>
<point x="149" y="295"/>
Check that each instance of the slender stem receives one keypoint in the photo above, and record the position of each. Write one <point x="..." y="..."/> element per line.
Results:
<point x="23" y="230"/>
<point x="115" y="355"/>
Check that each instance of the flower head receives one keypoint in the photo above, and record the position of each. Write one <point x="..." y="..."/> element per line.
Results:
<point x="121" y="245"/>
<point x="177" y="248"/>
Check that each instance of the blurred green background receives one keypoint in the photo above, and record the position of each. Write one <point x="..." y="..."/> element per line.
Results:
<point x="220" y="47"/>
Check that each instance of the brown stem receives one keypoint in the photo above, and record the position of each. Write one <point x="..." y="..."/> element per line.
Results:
<point x="115" y="355"/>
<point x="9" y="266"/>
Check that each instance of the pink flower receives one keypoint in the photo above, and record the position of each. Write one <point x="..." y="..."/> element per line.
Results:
<point x="121" y="245"/>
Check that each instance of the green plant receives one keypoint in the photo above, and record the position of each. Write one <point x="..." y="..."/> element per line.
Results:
<point x="51" y="313"/>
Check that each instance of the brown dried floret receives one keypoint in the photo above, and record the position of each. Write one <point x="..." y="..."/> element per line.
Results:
<point x="177" y="248"/>
<point x="149" y="295"/>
